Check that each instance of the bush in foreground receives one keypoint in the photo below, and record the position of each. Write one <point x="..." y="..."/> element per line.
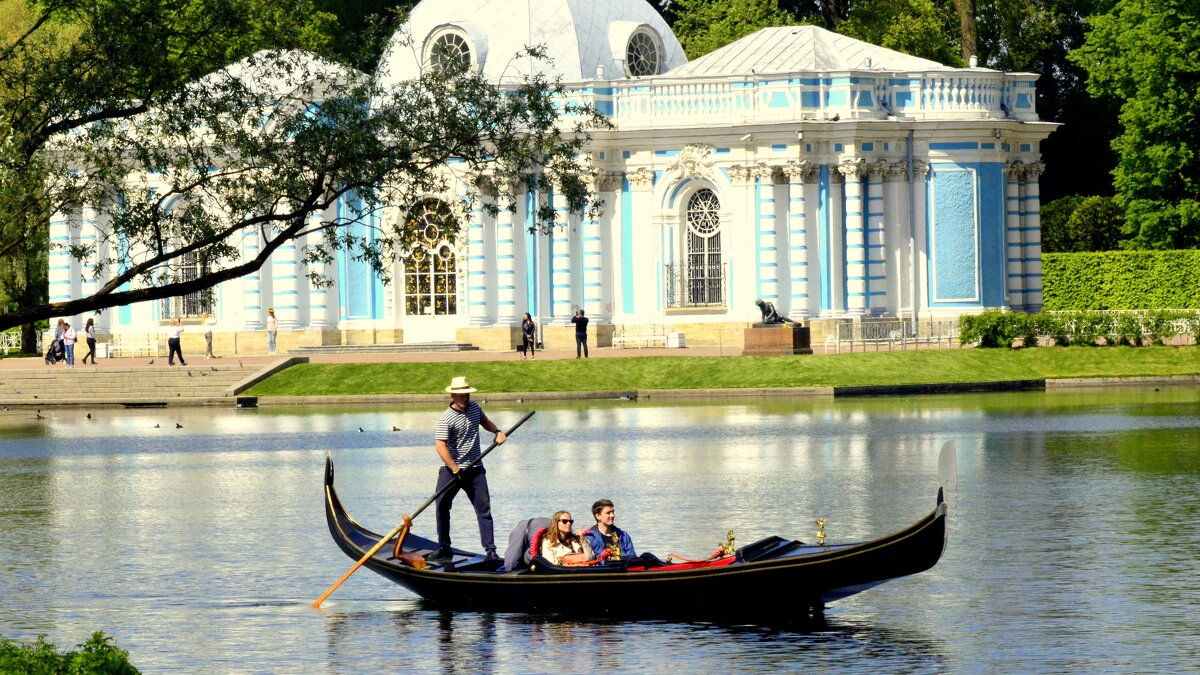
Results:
<point x="1086" y="328"/>
<point x="97" y="655"/>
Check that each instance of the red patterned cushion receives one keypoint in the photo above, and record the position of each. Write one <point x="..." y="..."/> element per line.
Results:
<point x="535" y="542"/>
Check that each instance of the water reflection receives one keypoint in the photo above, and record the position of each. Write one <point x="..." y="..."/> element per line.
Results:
<point x="1076" y="539"/>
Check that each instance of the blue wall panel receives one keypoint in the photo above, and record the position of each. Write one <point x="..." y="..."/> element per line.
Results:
<point x="954" y="259"/>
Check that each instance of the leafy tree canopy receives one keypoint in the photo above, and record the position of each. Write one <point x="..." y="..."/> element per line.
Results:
<point x="186" y="136"/>
<point x="703" y="26"/>
<point x="1075" y="224"/>
<point x="915" y="27"/>
<point x="1143" y="53"/>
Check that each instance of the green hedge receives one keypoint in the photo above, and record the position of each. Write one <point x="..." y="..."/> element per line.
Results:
<point x="1121" y="280"/>
<point x="97" y="656"/>
<point x="1002" y="329"/>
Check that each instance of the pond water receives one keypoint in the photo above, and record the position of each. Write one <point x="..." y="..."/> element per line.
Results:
<point x="1073" y="547"/>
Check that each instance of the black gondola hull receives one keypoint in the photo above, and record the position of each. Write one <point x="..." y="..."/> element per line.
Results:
<point x="795" y="579"/>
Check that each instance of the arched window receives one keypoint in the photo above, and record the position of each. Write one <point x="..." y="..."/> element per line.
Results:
<point x="643" y="54"/>
<point x="449" y="49"/>
<point x="431" y="269"/>
<point x="704" y="272"/>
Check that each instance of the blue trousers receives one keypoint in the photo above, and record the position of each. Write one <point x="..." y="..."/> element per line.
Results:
<point x="475" y="485"/>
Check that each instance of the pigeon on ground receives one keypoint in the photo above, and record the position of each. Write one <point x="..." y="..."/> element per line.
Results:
<point x="89" y="416"/>
<point x="189" y="373"/>
<point x="178" y="425"/>
<point x="151" y="362"/>
<point x="156" y="426"/>
<point x="39" y="416"/>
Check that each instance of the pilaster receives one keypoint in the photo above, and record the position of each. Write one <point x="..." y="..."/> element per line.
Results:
<point x="1031" y="236"/>
<point x="876" y="239"/>
<point x="798" y="174"/>
<point x="855" y="276"/>
<point x="1014" y="253"/>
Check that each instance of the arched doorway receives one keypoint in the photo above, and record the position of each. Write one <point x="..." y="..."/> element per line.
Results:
<point x="430" y="275"/>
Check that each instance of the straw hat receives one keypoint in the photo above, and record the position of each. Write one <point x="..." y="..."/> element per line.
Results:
<point x="459" y="385"/>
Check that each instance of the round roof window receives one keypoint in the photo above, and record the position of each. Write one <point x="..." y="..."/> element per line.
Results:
<point x="643" y="54"/>
<point x="449" y="49"/>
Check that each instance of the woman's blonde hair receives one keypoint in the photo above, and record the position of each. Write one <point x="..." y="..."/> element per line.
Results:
<point x="552" y="531"/>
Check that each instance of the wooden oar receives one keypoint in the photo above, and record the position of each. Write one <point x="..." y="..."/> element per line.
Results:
<point x="408" y="519"/>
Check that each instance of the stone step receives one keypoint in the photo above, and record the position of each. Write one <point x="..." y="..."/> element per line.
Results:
<point x="406" y="348"/>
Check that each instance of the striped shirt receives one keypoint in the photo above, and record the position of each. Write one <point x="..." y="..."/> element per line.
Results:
<point x="460" y="430"/>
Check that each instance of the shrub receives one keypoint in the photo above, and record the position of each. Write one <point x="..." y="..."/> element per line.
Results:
<point x="1121" y="280"/>
<point x="97" y="655"/>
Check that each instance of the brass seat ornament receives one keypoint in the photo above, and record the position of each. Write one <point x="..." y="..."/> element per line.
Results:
<point x="820" y="532"/>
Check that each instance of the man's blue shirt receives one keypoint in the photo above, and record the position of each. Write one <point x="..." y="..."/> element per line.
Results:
<point x="598" y="543"/>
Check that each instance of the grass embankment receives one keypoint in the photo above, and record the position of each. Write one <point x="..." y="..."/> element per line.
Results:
<point x="690" y="372"/>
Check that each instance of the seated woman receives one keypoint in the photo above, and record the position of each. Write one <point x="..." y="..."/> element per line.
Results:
<point x="561" y="546"/>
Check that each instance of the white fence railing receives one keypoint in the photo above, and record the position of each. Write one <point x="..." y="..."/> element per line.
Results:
<point x="879" y="335"/>
<point x="10" y="341"/>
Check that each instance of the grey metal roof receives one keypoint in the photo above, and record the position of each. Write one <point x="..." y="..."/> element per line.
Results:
<point x="790" y="49"/>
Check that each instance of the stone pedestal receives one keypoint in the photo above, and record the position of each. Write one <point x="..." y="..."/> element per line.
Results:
<point x="776" y="340"/>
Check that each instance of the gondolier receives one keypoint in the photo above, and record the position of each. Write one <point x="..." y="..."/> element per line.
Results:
<point x="457" y="444"/>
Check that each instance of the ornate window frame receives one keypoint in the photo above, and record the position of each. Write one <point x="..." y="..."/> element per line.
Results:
<point x="464" y="41"/>
<point x="634" y="61"/>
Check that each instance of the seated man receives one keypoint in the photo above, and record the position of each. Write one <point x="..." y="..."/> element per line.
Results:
<point x="605" y="535"/>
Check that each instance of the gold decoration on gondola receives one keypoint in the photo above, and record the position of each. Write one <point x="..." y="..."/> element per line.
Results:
<point x="727" y="547"/>
<point x="820" y="532"/>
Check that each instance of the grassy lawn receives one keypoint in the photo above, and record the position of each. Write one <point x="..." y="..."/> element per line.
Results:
<point x="687" y="372"/>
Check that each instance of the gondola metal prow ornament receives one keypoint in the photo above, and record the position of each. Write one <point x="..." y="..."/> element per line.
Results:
<point x="407" y="520"/>
<point x="821" y="532"/>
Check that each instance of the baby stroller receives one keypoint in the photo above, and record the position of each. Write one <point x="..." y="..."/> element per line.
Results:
<point x="55" y="353"/>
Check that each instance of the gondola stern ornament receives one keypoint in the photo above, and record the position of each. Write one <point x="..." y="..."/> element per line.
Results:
<point x="820" y="523"/>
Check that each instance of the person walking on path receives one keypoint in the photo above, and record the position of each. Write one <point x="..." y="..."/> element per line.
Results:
<point x="90" y="330"/>
<point x="173" y="335"/>
<point x="272" y="331"/>
<point x="68" y="339"/>
<point x="527" y="336"/>
<point x="581" y="323"/>
<point x="208" y="322"/>
<point x="457" y="444"/>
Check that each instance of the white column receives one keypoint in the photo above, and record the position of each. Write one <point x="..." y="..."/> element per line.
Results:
<point x="562" y="290"/>
<point x="62" y="266"/>
<point x="324" y="299"/>
<point x="797" y="250"/>
<point x="767" y="233"/>
<point x="1031" y="237"/>
<point x="649" y="273"/>
<point x="876" y="240"/>
<point x="506" y="270"/>
<point x="1014" y="253"/>
<point x="854" y="246"/>
<point x="252" y="300"/>
<point x="477" y="272"/>
<point x="90" y="235"/>
<point x="592" y="247"/>
<point x="895" y="223"/>
<point x="285" y="285"/>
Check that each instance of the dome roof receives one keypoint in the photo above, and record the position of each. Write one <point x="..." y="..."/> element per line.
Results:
<point x="586" y="39"/>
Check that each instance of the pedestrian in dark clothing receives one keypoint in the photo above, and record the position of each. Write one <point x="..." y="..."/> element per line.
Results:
<point x="581" y="323"/>
<point x="457" y="444"/>
<point x="90" y="331"/>
<point x="528" y="341"/>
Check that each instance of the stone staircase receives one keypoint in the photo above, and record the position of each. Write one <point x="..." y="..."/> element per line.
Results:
<point x="131" y="387"/>
<point x="407" y="348"/>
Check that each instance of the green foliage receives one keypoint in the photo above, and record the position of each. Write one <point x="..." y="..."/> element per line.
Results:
<point x="914" y="27"/>
<point x="97" y="656"/>
<point x="1143" y="52"/>
<point x="1082" y="328"/>
<point x="1076" y="223"/>
<point x="167" y="140"/>
<point x="703" y="26"/>
<point x="1121" y="280"/>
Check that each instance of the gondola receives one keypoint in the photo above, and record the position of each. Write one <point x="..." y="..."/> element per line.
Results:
<point x="775" y="574"/>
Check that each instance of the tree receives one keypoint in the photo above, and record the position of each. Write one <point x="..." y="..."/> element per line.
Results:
<point x="910" y="26"/>
<point x="968" y="28"/>
<point x="1143" y="53"/>
<point x="180" y="170"/>
<point x="703" y="26"/>
<point x="1076" y="224"/>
